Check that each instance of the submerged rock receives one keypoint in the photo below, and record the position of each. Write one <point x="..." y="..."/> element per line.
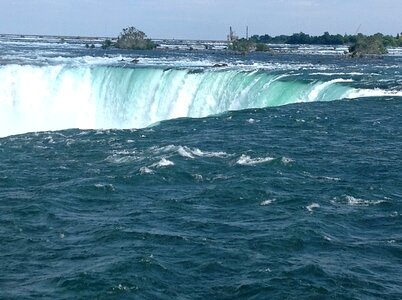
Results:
<point x="220" y="65"/>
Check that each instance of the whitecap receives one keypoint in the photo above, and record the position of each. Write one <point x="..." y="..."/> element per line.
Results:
<point x="185" y="152"/>
<point x="267" y="202"/>
<point x="331" y="178"/>
<point x="200" y="153"/>
<point x="40" y="147"/>
<point x="286" y="160"/>
<point x="312" y="206"/>
<point x="145" y="170"/>
<point x="122" y="152"/>
<point x="121" y="159"/>
<point x="362" y="202"/>
<point x="108" y="187"/>
<point x="164" y="149"/>
<point x="162" y="163"/>
<point x="50" y="140"/>
<point x="246" y="160"/>
<point x="69" y="142"/>
<point x="122" y="287"/>
<point x="198" y="177"/>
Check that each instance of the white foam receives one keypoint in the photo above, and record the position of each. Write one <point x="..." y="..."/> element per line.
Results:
<point x="162" y="163"/>
<point x="267" y="202"/>
<point x="187" y="152"/>
<point x="246" y="160"/>
<point x="286" y="160"/>
<point x="146" y="170"/>
<point x="362" y="202"/>
<point x="122" y="287"/>
<point x="200" y="153"/>
<point x="108" y="187"/>
<point x="184" y="151"/>
<point x="361" y="93"/>
<point x="118" y="159"/>
<point x="312" y="206"/>
<point x="339" y="73"/>
<point x="331" y="178"/>
<point x="198" y="177"/>
<point x="165" y="149"/>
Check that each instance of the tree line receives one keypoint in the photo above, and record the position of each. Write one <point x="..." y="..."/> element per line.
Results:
<point x="326" y="39"/>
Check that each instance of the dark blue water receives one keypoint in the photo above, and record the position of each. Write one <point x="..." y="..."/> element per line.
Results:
<point x="299" y="201"/>
<point x="277" y="176"/>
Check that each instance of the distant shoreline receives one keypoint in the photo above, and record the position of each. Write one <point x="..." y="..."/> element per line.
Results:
<point x="294" y="39"/>
<point x="75" y="37"/>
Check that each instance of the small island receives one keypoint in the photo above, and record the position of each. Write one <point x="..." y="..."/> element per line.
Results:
<point x="368" y="45"/>
<point x="245" y="46"/>
<point x="131" y="38"/>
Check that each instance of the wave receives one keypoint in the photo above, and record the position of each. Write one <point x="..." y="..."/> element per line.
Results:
<point x="187" y="152"/>
<point x="40" y="98"/>
<point x="246" y="160"/>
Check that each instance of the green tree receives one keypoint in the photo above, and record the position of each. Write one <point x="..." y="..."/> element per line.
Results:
<point x="262" y="47"/>
<point x="132" y="38"/>
<point x="368" y="45"/>
<point x="243" y="46"/>
<point x="299" y="38"/>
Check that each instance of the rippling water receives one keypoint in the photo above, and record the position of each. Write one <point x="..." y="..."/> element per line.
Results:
<point x="294" y="201"/>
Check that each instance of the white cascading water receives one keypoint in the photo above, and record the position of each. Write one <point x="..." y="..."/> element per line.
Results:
<point x="45" y="98"/>
<point x="39" y="98"/>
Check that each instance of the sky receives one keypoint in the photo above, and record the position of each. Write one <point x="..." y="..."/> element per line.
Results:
<point x="199" y="19"/>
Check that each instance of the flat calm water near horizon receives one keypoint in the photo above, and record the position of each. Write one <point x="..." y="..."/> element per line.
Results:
<point x="158" y="175"/>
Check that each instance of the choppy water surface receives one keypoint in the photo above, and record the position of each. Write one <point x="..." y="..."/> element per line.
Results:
<point x="269" y="201"/>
